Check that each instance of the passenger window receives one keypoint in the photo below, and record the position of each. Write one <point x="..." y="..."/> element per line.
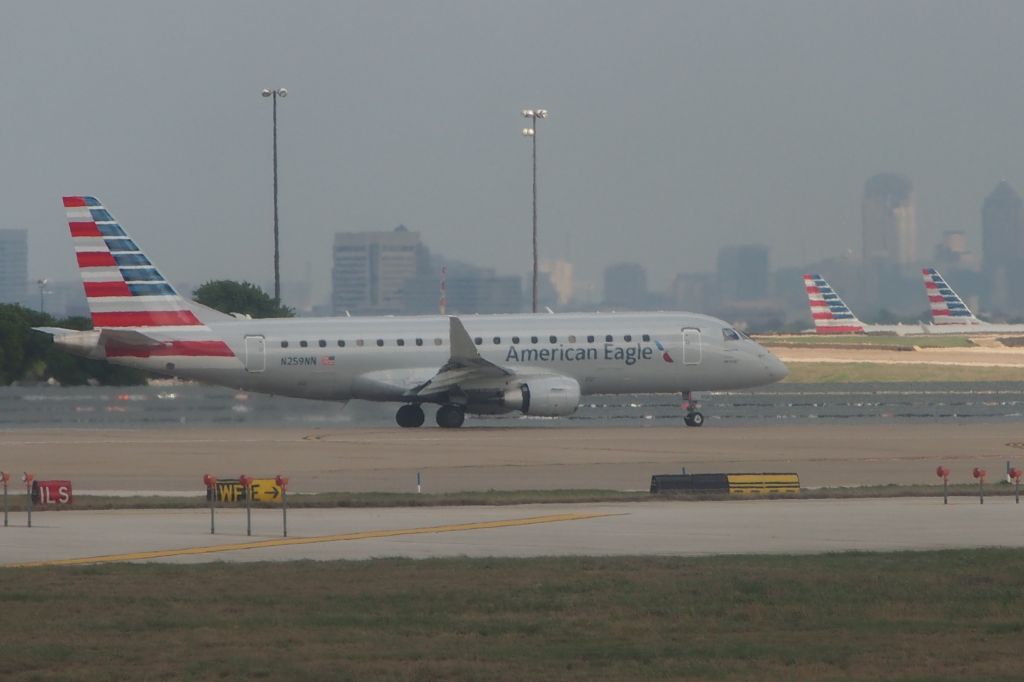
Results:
<point x="359" y="342"/>
<point x="730" y="334"/>
<point x="478" y="341"/>
<point x="572" y="338"/>
<point x="497" y="340"/>
<point x="400" y="342"/>
<point x="284" y="344"/>
<point x="341" y="344"/>
<point x="303" y="344"/>
<point x="590" y="338"/>
<point x="627" y="338"/>
<point x="608" y="338"/>
<point x="647" y="337"/>
<point x="323" y="344"/>
<point x="553" y="339"/>
<point x="380" y="342"/>
<point x="533" y="339"/>
<point x="419" y="342"/>
<point x="438" y="342"/>
<point x="515" y="339"/>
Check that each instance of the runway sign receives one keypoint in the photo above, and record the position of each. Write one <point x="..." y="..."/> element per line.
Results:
<point x="51" y="492"/>
<point x="231" y="490"/>
<point x="734" y="484"/>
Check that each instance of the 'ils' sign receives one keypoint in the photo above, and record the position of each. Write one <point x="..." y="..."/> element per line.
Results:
<point x="51" y="492"/>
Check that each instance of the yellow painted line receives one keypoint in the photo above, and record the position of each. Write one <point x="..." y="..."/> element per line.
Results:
<point x="281" y="542"/>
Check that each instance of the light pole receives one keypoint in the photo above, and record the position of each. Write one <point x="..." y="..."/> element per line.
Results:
<point x="41" y="283"/>
<point x="531" y="132"/>
<point x="279" y="92"/>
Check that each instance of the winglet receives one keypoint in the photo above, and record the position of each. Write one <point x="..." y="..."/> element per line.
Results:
<point x="462" y="345"/>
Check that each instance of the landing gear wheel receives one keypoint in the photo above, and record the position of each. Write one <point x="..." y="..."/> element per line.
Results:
<point x="450" y="416"/>
<point x="694" y="419"/>
<point x="410" y="416"/>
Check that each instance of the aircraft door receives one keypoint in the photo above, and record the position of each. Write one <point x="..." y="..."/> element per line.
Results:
<point x="691" y="346"/>
<point x="255" y="354"/>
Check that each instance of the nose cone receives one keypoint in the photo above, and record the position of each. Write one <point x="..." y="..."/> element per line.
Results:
<point x="776" y="370"/>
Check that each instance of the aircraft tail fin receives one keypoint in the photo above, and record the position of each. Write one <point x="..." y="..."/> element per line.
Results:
<point x="122" y="286"/>
<point x="946" y="305"/>
<point x="831" y="315"/>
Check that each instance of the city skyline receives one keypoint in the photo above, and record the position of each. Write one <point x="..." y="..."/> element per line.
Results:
<point x="675" y="128"/>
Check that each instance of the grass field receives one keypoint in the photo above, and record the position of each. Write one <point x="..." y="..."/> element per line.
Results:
<point x="867" y="372"/>
<point x="953" y="615"/>
<point x="864" y="340"/>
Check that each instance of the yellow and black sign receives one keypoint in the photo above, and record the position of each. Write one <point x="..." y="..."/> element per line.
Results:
<point x="764" y="484"/>
<point x="263" y="490"/>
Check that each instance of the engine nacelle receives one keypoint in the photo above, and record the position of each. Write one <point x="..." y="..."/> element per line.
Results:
<point x="544" y="397"/>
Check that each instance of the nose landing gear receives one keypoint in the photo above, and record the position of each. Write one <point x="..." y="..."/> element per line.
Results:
<point x="410" y="416"/>
<point x="693" y="416"/>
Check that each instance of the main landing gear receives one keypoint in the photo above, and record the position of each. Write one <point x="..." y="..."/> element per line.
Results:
<point x="693" y="416"/>
<point x="450" y="416"/>
<point x="410" y="416"/>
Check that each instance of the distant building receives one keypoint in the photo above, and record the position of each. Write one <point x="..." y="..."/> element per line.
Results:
<point x="560" y="274"/>
<point x="372" y="270"/>
<point x="13" y="265"/>
<point x="743" y="273"/>
<point x="889" y="219"/>
<point x="952" y="252"/>
<point x="625" y="285"/>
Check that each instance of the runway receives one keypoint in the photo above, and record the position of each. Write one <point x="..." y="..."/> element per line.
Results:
<point x="620" y="458"/>
<point x="645" y="528"/>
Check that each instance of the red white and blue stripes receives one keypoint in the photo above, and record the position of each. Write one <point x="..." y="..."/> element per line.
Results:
<point x="125" y="290"/>
<point x="830" y="314"/>
<point x="947" y="307"/>
<point x="122" y="287"/>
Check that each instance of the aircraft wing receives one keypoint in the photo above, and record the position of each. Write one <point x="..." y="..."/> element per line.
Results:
<point x="465" y="366"/>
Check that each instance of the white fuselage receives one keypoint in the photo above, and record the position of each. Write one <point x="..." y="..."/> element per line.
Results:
<point x="380" y="358"/>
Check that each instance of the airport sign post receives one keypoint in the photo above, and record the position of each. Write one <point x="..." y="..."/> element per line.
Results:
<point x="27" y="478"/>
<point x="4" y="479"/>
<point x="282" y="483"/>
<point x="979" y="474"/>
<point x="943" y="473"/>
<point x="211" y="494"/>
<point x="246" y="482"/>
<point x="419" y="483"/>
<point x="1015" y="476"/>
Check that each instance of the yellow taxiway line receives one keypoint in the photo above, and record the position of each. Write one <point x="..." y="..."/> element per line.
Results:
<point x="281" y="542"/>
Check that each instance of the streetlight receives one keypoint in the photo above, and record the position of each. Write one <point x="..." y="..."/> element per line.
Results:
<point x="531" y="132"/>
<point x="41" y="283"/>
<point x="279" y="92"/>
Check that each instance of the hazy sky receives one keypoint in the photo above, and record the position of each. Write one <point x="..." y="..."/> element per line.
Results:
<point x="676" y="127"/>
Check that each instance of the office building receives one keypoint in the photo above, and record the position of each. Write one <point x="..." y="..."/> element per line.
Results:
<point x="889" y="220"/>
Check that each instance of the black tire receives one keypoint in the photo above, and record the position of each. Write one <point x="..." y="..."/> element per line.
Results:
<point x="450" y="416"/>
<point x="409" y="416"/>
<point x="694" y="419"/>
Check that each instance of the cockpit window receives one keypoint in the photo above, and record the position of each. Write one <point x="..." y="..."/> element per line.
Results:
<point x="730" y="334"/>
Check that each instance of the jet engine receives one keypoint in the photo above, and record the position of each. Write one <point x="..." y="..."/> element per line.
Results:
<point x="544" y="396"/>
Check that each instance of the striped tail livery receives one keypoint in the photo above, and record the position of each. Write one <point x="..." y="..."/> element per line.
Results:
<point x="946" y="305"/>
<point x="134" y="308"/>
<point x="831" y="315"/>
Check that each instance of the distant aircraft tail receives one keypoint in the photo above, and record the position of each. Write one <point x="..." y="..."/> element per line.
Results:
<point x="831" y="315"/>
<point x="137" y="310"/>
<point x="947" y="306"/>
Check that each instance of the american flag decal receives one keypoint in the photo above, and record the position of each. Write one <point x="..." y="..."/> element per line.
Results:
<point x="327" y="361"/>
<point x="830" y="314"/>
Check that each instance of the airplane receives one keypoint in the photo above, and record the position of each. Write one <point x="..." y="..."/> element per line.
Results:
<point x="949" y="309"/>
<point x="831" y="315"/>
<point x="482" y="364"/>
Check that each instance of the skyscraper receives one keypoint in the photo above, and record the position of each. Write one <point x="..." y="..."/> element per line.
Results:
<point x="889" y="219"/>
<point x="372" y="270"/>
<point x="1002" y="246"/>
<point x="743" y="273"/>
<point x="13" y="265"/>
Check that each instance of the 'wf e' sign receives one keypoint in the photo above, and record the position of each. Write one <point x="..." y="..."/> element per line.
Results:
<point x="263" y="490"/>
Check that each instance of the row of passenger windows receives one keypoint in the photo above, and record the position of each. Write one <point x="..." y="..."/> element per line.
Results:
<point x="571" y="338"/>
